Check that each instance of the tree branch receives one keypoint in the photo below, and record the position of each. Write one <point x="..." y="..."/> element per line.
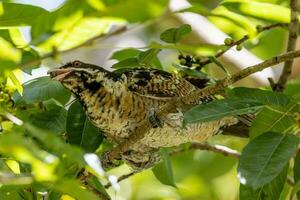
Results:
<point x="242" y="40"/>
<point x="225" y="151"/>
<point x="291" y="46"/>
<point x="194" y="96"/>
<point x="86" y="43"/>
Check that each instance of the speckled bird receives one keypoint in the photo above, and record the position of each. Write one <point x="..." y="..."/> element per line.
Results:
<point x="117" y="102"/>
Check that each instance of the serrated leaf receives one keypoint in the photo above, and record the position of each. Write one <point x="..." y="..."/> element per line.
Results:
<point x="163" y="171"/>
<point x="80" y="130"/>
<point x="273" y="119"/>
<point x="263" y="96"/>
<point x="261" y="10"/>
<point x="264" y="158"/>
<point x="174" y="35"/>
<point x="13" y="14"/>
<point x="219" y="109"/>
<point x="42" y="89"/>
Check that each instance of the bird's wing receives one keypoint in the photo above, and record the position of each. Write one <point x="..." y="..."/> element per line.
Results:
<point x="157" y="84"/>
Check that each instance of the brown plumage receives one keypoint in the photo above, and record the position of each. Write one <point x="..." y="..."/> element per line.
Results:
<point x="118" y="102"/>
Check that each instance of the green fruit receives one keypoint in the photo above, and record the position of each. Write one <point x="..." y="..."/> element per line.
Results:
<point x="228" y="41"/>
<point x="239" y="47"/>
<point x="182" y="61"/>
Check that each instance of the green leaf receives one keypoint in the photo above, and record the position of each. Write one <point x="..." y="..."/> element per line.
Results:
<point x="93" y="181"/>
<point x="129" y="58"/>
<point x="53" y="120"/>
<point x="174" y="35"/>
<point x="127" y="63"/>
<point x="265" y="97"/>
<point x="125" y="54"/>
<point x="80" y="130"/>
<point x="264" y="158"/>
<point x="261" y="10"/>
<point x="25" y="150"/>
<point x="134" y="11"/>
<point x="163" y="171"/>
<point x="273" y="119"/>
<point x="297" y="174"/>
<point x="54" y="143"/>
<point x="77" y="34"/>
<point x="219" y="109"/>
<point x="270" y="191"/>
<point x="42" y="89"/>
<point x="9" y="56"/>
<point x="293" y="89"/>
<point x="74" y="189"/>
<point x="238" y="19"/>
<point x="13" y="14"/>
<point x="201" y="49"/>
<point x="149" y="58"/>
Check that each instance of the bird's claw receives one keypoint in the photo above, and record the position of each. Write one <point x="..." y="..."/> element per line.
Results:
<point x="154" y="120"/>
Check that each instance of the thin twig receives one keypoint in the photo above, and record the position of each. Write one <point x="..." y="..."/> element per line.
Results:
<point x="242" y="40"/>
<point x="209" y="147"/>
<point x="86" y="43"/>
<point x="194" y="96"/>
<point x="121" y="178"/>
<point x="194" y="146"/>
<point x="291" y="46"/>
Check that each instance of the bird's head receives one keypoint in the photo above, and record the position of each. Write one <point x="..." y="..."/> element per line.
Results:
<point x="78" y="76"/>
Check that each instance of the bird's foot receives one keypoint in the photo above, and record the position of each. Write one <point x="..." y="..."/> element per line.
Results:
<point x="154" y="120"/>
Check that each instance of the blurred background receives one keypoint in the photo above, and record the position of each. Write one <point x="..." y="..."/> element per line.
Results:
<point x="199" y="174"/>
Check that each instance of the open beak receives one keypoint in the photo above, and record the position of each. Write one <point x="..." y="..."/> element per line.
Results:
<point x="59" y="74"/>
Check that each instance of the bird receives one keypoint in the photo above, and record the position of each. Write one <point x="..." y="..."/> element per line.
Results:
<point x="118" y="101"/>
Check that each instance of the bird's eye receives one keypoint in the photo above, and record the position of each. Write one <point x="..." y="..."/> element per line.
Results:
<point x="76" y="63"/>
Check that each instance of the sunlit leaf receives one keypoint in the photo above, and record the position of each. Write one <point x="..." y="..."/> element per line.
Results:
<point x="142" y="10"/>
<point x="77" y="34"/>
<point x="74" y="189"/>
<point x="273" y="119"/>
<point x="201" y="49"/>
<point x="264" y="157"/>
<point x="56" y="144"/>
<point x="80" y="130"/>
<point x="9" y="56"/>
<point x="219" y="109"/>
<point x="238" y="19"/>
<point x="13" y="14"/>
<point x="174" y="35"/>
<point x="43" y="164"/>
<point x="262" y="10"/>
<point x="163" y="171"/>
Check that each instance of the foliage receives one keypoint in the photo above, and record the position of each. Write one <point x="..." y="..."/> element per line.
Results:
<point x="47" y="142"/>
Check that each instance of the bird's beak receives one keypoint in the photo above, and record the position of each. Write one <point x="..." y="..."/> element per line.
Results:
<point x="59" y="74"/>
